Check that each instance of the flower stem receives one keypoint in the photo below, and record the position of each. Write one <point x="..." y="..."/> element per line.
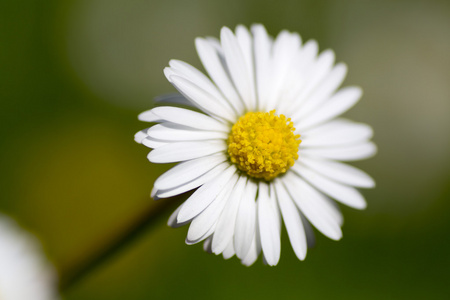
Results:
<point x="146" y="220"/>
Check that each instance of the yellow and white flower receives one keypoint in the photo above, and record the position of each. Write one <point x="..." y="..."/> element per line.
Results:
<point x="264" y="147"/>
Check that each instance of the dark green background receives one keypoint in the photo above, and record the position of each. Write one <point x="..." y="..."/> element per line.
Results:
<point x="75" y="74"/>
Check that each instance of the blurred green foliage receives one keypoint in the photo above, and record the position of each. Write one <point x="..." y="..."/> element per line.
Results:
<point x="75" y="74"/>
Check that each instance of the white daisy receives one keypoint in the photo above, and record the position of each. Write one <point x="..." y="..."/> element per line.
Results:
<point x="24" y="273"/>
<point x="243" y="151"/>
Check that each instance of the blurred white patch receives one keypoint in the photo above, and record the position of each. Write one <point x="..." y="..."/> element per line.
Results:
<point x="24" y="272"/>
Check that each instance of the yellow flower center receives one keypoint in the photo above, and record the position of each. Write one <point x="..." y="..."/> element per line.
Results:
<point x="263" y="144"/>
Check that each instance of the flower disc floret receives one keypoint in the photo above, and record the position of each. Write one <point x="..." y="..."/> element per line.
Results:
<point x="263" y="145"/>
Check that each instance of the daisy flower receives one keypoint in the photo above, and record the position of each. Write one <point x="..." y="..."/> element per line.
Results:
<point x="24" y="273"/>
<point x="261" y="144"/>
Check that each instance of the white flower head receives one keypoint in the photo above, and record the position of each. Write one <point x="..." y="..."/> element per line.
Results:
<point x="24" y="272"/>
<point x="265" y="146"/>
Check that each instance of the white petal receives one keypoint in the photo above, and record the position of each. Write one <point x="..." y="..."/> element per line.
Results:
<point x="324" y="128"/>
<point x="175" y="132"/>
<point x="207" y="245"/>
<point x="190" y="73"/>
<point x="189" y="118"/>
<point x="207" y="218"/>
<point x="292" y="221"/>
<point x="173" y="98"/>
<point x="246" y="221"/>
<point x="344" y="194"/>
<point x="217" y="47"/>
<point x="172" y="222"/>
<point x="300" y="73"/>
<point x="253" y="253"/>
<point x="236" y="65"/>
<point x="309" y="52"/>
<point x="226" y="224"/>
<point x="153" y="143"/>
<point x="229" y="251"/>
<point x="336" y="133"/>
<point x="314" y="207"/>
<point x="140" y="135"/>
<point x="205" y="195"/>
<point x="246" y="43"/>
<point x="184" y="69"/>
<point x="180" y="189"/>
<point x="187" y="171"/>
<point x="207" y="234"/>
<point x="330" y="206"/>
<point x="204" y="100"/>
<point x="344" y="153"/>
<point x="263" y="65"/>
<point x="339" y="172"/>
<point x="153" y="193"/>
<point x="322" y="92"/>
<point x="320" y="69"/>
<point x="310" y="236"/>
<point x="334" y="208"/>
<point x="211" y="61"/>
<point x="339" y="103"/>
<point x="148" y="116"/>
<point x="285" y="48"/>
<point x="182" y="151"/>
<point x="269" y="224"/>
<point x="168" y="72"/>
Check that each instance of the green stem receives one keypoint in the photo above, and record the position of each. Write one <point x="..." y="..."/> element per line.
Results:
<point x="143" y="222"/>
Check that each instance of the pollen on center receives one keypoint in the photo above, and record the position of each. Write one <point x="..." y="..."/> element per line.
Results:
<point x="263" y="144"/>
